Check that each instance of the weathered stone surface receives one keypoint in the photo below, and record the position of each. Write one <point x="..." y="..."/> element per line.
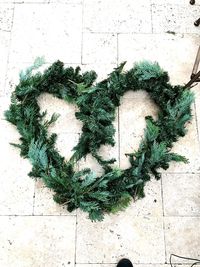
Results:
<point x="61" y="33"/>
<point x="37" y="241"/>
<point x="181" y="194"/>
<point x="118" y="236"/>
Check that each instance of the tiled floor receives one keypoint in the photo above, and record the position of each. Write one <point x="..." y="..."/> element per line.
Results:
<point x="99" y="34"/>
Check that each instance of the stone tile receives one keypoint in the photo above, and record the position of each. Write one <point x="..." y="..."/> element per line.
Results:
<point x="99" y="48"/>
<point x="25" y="1"/>
<point x="176" y="18"/>
<point x="4" y="50"/>
<point x="151" y="204"/>
<point x="44" y="203"/>
<point x="90" y="162"/>
<point x="95" y="265"/>
<point x="67" y="122"/>
<point x="181" y="194"/>
<point x="33" y="1"/>
<point x="114" y="264"/>
<point x="17" y="189"/>
<point x="196" y="91"/>
<point x="65" y="143"/>
<point x="119" y="236"/>
<point x="182" y="237"/>
<point x="134" y="110"/>
<point x="66" y="1"/>
<point x="14" y="69"/>
<point x="161" y="48"/>
<point x="6" y="17"/>
<point x="61" y="34"/>
<point x="126" y="16"/>
<point x="4" y="105"/>
<point x="37" y="241"/>
<point x="132" y="124"/>
<point x="175" y="2"/>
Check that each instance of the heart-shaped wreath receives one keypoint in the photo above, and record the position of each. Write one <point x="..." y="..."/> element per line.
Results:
<point x="113" y="190"/>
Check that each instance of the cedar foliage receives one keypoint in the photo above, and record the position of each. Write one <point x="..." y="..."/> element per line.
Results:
<point x="97" y="103"/>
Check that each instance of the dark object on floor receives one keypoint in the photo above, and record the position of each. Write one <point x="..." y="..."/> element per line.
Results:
<point x="124" y="263"/>
<point x="197" y="22"/>
<point x="195" y="76"/>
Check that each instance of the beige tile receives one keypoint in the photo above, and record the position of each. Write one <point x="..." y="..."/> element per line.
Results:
<point x="65" y="144"/>
<point x="95" y="265"/>
<point x="4" y="50"/>
<point x="67" y="121"/>
<point x="66" y="1"/>
<point x="151" y="204"/>
<point x="61" y="34"/>
<point x="132" y="124"/>
<point x="117" y="16"/>
<point x="17" y="189"/>
<point x="37" y="241"/>
<point x="44" y="203"/>
<point x="182" y="237"/>
<point x="177" y="18"/>
<point x="6" y="17"/>
<point x="13" y="72"/>
<point x="90" y="162"/>
<point x="4" y="105"/>
<point x="181" y="194"/>
<point x="196" y="91"/>
<point x="25" y="1"/>
<point x="99" y="48"/>
<point x="162" y="48"/>
<point x="174" y="2"/>
<point x="33" y="1"/>
<point x="114" y="265"/>
<point x="136" y="94"/>
<point x="132" y="113"/>
<point x="122" y="235"/>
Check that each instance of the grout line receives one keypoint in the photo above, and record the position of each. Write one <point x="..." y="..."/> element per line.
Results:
<point x="163" y="220"/>
<point x="147" y="33"/>
<point x="196" y="121"/>
<point x="121" y="33"/>
<point x="135" y="263"/>
<point x="182" y="216"/>
<point x="75" y="240"/>
<point x="33" y="211"/>
<point x="117" y="49"/>
<point x="9" y="48"/>
<point x="118" y="108"/>
<point x="82" y="31"/>
<point x="184" y="172"/>
<point x="37" y="215"/>
<point x="73" y="215"/>
<point x="151" y="18"/>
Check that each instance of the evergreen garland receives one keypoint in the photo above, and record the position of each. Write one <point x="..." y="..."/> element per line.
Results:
<point x="113" y="190"/>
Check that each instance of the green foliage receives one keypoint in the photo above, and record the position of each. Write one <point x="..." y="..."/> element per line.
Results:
<point x="122" y="203"/>
<point x="114" y="189"/>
